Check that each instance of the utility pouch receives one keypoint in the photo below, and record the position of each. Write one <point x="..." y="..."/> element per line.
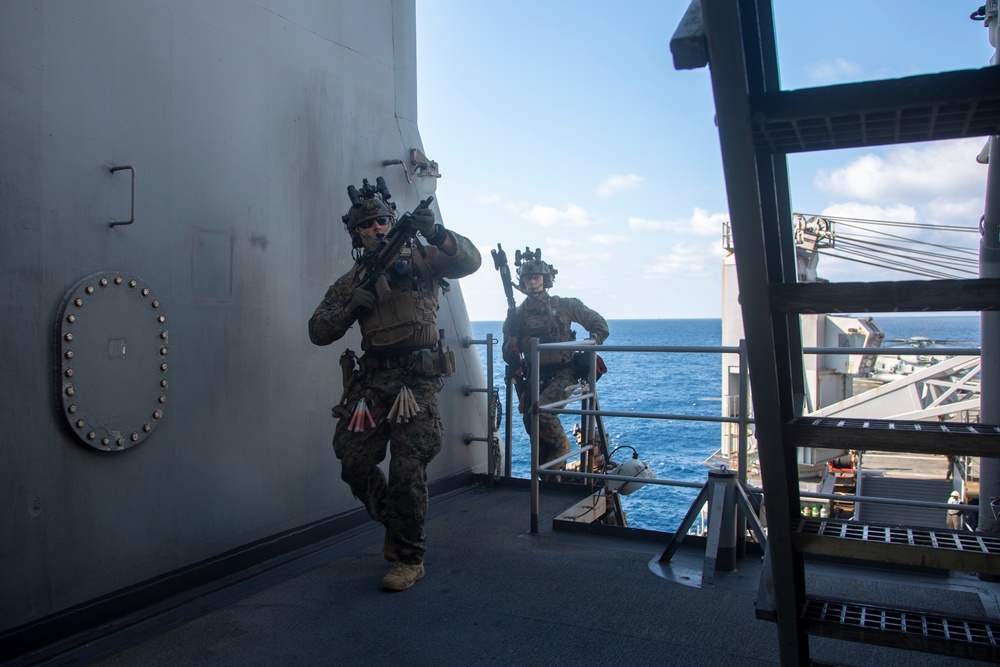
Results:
<point x="447" y="358"/>
<point x="424" y="362"/>
<point x="433" y="363"/>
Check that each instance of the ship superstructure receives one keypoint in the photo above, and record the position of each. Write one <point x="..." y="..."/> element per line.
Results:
<point x="760" y="124"/>
<point x="188" y="161"/>
<point x="174" y="175"/>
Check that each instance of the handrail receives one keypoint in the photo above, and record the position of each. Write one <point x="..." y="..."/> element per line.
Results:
<point x="742" y="418"/>
<point x="491" y="396"/>
<point x="115" y="223"/>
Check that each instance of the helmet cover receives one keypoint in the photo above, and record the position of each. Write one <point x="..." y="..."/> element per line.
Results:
<point x="368" y="203"/>
<point x="530" y="263"/>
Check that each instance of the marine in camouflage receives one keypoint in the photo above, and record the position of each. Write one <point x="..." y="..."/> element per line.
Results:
<point x="401" y="349"/>
<point x="399" y="502"/>
<point x="548" y="318"/>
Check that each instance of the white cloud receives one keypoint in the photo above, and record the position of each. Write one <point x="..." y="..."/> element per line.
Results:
<point x="578" y="258"/>
<point x="705" y="224"/>
<point x="896" y="213"/>
<point x="940" y="169"/>
<point x="700" y="223"/>
<point x="490" y="198"/>
<point x="956" y="211"/>
<point x="612" y="185"/>
<point x="545" y="216"/>
<point x="609" y="239"/>
<point x="643" y="225"/>
<point x="572" y="215"/>
<point x="686" y="259"/>
<point x="833" y="71"/>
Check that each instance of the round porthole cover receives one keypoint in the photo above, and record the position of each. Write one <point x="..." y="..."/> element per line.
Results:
<point x="112" y="348"/>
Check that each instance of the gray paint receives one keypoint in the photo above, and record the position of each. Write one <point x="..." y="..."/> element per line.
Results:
<point x="244" y="122"/>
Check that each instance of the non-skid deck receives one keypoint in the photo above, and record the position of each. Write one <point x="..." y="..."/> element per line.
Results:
<point x="495" y="595"/>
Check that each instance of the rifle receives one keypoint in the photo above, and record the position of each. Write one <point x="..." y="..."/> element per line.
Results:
<point x="518" y="372"/>
<point x="375" y="263"/>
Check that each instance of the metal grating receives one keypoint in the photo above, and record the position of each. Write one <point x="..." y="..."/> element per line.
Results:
<point x="913" y="629"/>
<point x="947" y="105"/>
<point x="905" y="426"/>
<point x="917" y="437"/>
<point x="878" y="128"/>
<point x="964" y="542"/>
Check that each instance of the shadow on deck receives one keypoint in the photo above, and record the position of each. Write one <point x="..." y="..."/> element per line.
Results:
<point x="496" y="595"/>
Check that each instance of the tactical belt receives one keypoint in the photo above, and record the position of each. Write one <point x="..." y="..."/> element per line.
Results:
<point x="397" y="357"/>
<point x="545" y="369"/>
<point x="426" y="360"/>
<point x="380" y="363"/>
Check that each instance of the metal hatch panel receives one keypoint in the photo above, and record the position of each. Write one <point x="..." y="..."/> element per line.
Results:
<point x="112" y="365"/>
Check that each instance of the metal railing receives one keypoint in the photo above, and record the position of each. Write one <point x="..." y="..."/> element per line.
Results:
<point x="588" y="396"/>
<point x="591" y="411"/>
<point x="492" y="405"/>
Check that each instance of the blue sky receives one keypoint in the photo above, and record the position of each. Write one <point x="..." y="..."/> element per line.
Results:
<point x="564" y="126"/>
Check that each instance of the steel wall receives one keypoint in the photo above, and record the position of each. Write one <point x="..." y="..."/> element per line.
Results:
<point x="244" y="123"/>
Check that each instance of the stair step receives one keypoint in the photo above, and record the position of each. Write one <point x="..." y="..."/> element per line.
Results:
<point x="904" y="545"/>
<point x="889" y="435"/>
<point x="946" y="105"/>
<point x="969" y="637"/>
<point x="915" y="630"/>
<point x="912" y="296"/>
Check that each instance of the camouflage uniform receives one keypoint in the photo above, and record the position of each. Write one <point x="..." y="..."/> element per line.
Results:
<point x="549" y="318"/>
<point x="399" y="340"/>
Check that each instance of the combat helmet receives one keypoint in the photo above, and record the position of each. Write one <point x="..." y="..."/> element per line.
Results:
<point x="530" y="263"/>
<point x="366" y="204"/>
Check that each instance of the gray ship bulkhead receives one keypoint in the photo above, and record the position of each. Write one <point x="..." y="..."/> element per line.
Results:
<point x="158" y="437"/>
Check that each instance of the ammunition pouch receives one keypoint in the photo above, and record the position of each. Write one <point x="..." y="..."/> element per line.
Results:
<point x="434" y="362"/>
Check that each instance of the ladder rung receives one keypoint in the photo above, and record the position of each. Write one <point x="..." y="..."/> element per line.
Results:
<point x="916" y="630"/>
<point x="903" y="545"/>
<point x="931" y="107"/>
<point x="917" y="437"/>
<point x="912" y="296"/>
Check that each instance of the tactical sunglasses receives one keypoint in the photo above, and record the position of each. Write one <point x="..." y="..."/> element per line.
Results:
<point x="382" y="220"/>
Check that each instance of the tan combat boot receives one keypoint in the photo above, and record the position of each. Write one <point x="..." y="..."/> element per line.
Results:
<point x="389" y="549"/>
<point x="402" y="576"/>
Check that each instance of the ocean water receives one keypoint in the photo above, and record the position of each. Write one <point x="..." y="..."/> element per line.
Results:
<point x="678" y="383"/>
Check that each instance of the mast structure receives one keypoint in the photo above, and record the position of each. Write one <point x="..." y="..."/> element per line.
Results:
<point x="989" y="267"/>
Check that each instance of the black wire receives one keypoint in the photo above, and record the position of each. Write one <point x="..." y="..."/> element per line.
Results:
<point x="893" y="223"/>
<point x="910" y="258"/>
<point x="954" y="264"/>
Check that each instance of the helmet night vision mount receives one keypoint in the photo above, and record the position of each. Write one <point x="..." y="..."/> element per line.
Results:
<point x="366" y="204"/>
<point x="530" y="263"/>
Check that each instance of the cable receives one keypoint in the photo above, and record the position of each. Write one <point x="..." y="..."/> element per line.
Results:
<point x="862" y="244"/>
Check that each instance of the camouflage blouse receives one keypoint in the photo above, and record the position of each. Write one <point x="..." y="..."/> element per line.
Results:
<point x="407" y="319"/>
<point x="550" y="320"/>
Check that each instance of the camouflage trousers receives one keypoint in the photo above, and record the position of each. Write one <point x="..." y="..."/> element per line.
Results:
<point x="552" y="440"/>
<point x="399" y="502"/>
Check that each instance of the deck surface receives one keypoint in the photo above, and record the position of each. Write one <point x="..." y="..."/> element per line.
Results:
<point x="496" y="595"/>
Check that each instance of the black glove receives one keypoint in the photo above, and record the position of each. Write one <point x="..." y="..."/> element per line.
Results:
<point x="361" y="300"/>
<point x="423" y="221"/>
